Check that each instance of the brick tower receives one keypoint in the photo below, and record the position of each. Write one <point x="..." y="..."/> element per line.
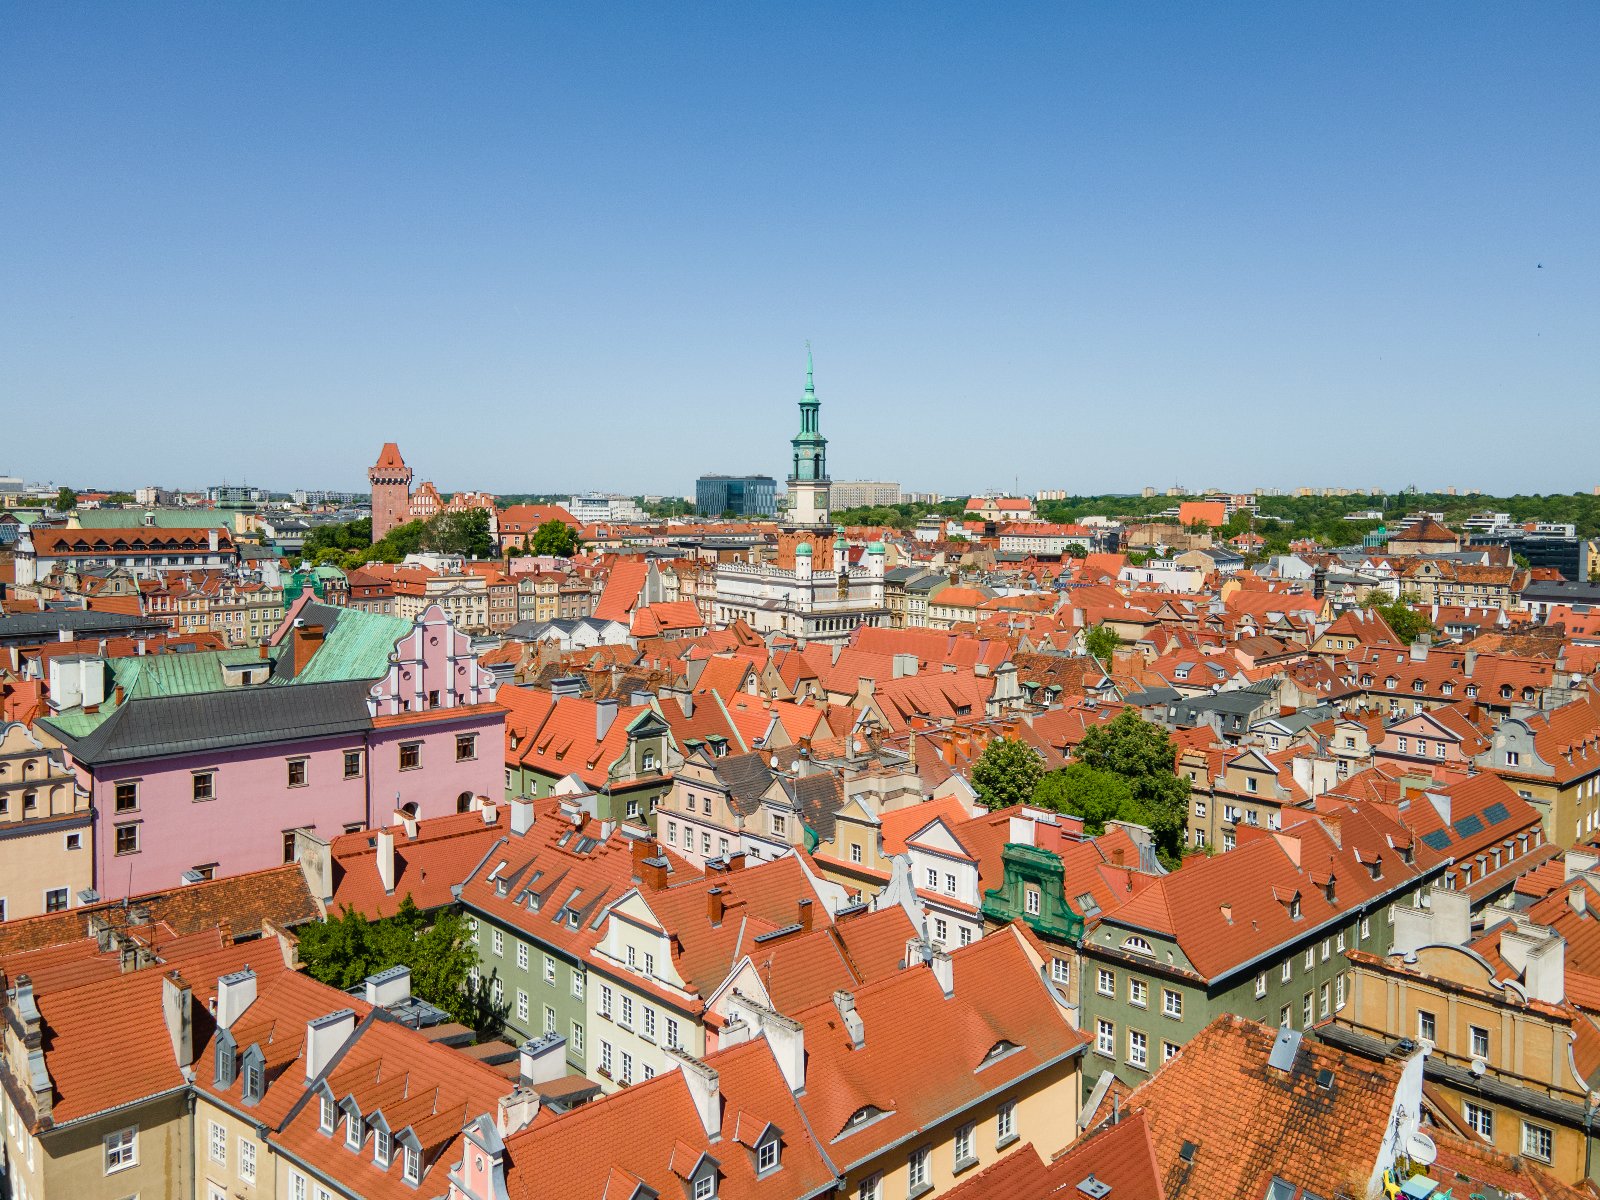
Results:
<point x="391" y="491"/>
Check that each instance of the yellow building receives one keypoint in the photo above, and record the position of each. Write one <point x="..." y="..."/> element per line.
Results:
<point x="45" y="829"/>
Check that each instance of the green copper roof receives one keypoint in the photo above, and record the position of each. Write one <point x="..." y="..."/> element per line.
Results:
<point x="358" y="646"/>
<point x="178" y="674"/>
<point x="162" y="518"/>
<point x="804" y="549"/>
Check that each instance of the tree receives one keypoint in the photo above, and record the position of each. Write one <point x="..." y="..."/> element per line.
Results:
<point x="1101" y="641"/>
<point x="1006" y="773"/>
<point x="1096" y="796"/>
<point x="555" y="538"/>
<point x="1076" y="550"/>
<point x="66" y="500"/>
<point x="343" y="951"/>
<point x="464" y="532"/>
<point x="1405" y="622"/>
<point x="1143" y="755"/>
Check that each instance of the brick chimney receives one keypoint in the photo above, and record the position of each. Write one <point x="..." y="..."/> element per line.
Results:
<point x="805" y="914"/>
<point x="307" y="638"/>
<point x="715" y="905"/>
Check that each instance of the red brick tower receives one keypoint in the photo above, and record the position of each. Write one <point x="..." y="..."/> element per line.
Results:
<point x="391" y="491"/>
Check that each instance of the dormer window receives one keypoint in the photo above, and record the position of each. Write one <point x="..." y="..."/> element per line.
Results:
<point x="252" y="1087"/>
<point x="382" y="1146"/>
<point x="767" y="1156"/>
<point x="705" y="1186"/>
<point x="413" y="1166"/>
<point x="327" y="1115"/>
<point x="354" y="1131"/>
<point x="1294" y="907"/>
<point x="227" y="1061"/>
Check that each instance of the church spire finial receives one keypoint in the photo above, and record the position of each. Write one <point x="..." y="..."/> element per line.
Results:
<point x="810" y="386"/>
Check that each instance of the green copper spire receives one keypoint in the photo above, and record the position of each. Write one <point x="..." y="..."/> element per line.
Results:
<point x="811" y="388"/>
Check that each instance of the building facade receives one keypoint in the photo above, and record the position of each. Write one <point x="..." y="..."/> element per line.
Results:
<point x="741" y="495"/>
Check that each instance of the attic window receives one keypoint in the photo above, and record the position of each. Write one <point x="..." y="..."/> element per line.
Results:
<point x="997" y="1051"/>
<point x="1138" y="945"/>
<point x="327" y="1115"/>
<point x="861" y="1116"/>
<point x="413" y="1166"/>
<point x="1294" y="907"/>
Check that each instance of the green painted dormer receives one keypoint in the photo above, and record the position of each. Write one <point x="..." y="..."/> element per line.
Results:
<point x="1030" y="871"/>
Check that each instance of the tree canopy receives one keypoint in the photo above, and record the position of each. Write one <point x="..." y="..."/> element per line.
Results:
<point x="1006" y="773"/>
<point x="464" y="531"/>
<point x="1406" y="622"/>
<point x="1096" y="796"/>
<point x="66" y="500"/>
<point x="1142" y="755"/>
<point x="555" y="537"/>
<point x="1101" y="641"/>
<point x="343" y="951"/>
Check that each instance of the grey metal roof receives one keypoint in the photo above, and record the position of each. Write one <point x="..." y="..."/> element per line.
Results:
<point x="19" y="626"/>
<point x="245" y="716"/>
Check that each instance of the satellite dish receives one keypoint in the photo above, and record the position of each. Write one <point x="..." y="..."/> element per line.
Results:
<point x="1420" y="1149"/>
<point x="1479" y="1067"/>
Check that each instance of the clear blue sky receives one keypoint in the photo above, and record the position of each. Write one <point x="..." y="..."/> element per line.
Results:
<point x="548" y="247"/>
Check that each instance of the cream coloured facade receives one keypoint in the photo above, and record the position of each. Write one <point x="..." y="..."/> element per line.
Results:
<point x="46" y="829"/>
<point x="639" y="1007"/>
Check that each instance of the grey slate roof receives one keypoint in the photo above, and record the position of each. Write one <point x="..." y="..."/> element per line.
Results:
<point x="746" y="776"/>
<point x="245" y="716"/>
<point x="818" y="797"/>
<point x="33" y="626"/>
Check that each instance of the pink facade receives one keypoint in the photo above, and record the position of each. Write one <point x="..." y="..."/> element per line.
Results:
<point x="254" y="806"/>
<point x="426" y="741"/>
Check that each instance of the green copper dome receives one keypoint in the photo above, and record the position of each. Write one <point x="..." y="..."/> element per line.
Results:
<point x="875" y="548"/>
<point x="803" y="549"/>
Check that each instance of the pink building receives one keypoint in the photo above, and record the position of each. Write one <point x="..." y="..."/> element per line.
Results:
<point x="344" y="720"/>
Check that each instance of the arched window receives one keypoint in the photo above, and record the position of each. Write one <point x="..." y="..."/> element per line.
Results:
<point x="1137" y="945"/>
<point x="464" y="802"/>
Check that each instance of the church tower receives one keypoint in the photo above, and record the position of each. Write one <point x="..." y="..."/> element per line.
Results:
<point x="808" y="481"/>
<point x="391" y="491"/>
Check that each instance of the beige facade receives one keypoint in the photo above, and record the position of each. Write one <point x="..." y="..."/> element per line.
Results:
<point x="46" y="856"/>
<point x="1502" y="1061"/>
<point x="230" y="1161"/>
<point x="142" y="1151"/>
<point x="1042" y="1109"/>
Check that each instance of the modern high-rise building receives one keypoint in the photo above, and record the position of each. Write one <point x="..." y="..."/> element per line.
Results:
<point x="741" y="495"/>
<point x="391" y="491"/>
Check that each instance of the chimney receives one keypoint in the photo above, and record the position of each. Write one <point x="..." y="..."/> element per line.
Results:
<point x="263" y="650"/>
<point x="805" y="914"/>
<point x="653" y="873"/>
<point x="235" y="994"/>
<point x="516" y="1111"/>
<point x="385" y="845"/>
<point x="392" y="986"/>
<point x="306" y="640"/>
<point x="944" y="970"/>
<point x="706" y="1091"/>
<point x="1469" y="660"/>
<point x="211" y="537"/>
<point x="521" y="815"/>
<point x="605" y="712"/>
<point x="1116" y="856"/>
<point x="324" y="1037"/>
<point x="715" y="905"/>
<point x="117" y="695"/>
<point x="845" y="1002"/>
<point x="177" y="1006"/>
<point x="542" y="1059"/>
